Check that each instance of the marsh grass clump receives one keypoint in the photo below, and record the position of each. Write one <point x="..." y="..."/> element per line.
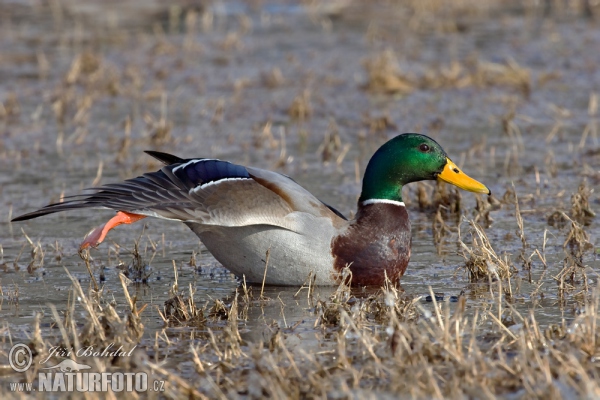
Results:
<point x="219" y="310"/>
<point x="330" y="312"/>
<point x="84" y="68"/>
<point x="263" y="137"/>
<point x="445" y="202"/>
<point x="390" y="304"/>
<point x="182" y="311"/>
<point x="477" y="268"/>
<point x="576" y="245"/>
<point x="179" y="310"/>
<point x="580" y="212"/>
<point x="508" y="74"/>
<point x="159" y="129"/>
<point x="331" y="148"/>
<point x="580" y="205"/>
<point x="482" y="262"/>
<point x="441" y="230"/>
<point x="368" y="307"/>
<point x="104" y="325"/>
<point x="423" y="197"/>
<point x="301" y="108"/>
<point x="10" y="108"/>
<point x="384" y="75"/>
<point x="480" y="74"/>
<point x="10" y="293"/>
<point x="558" y="219"/>
<point x="89" y="322"/>
<point x="379" y="124"/>
<point x="37" y="255"/>
<point x="137" y="270"/>
<point x="454" y="75"/>
<point x="483" y="208"/>
<point x="509" y="196"/>
<point x="448" y="198"/>
<point x="440" y="196"/>
<point x="577" y="240"/>
<point x="272" y="78"/>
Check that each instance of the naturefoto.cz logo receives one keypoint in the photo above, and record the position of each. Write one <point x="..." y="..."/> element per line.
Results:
<point x="70" y="376"/>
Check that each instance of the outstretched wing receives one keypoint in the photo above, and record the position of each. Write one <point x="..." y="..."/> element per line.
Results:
<point x="206" y="191"/>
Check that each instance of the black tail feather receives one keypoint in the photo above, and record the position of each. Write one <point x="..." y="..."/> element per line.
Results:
<point x="51" y="209"/>
<point x="165" y="158"/>
<point x="30" y="215"/>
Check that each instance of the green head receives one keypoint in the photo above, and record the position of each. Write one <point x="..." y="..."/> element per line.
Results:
<point x="407" y="158"/>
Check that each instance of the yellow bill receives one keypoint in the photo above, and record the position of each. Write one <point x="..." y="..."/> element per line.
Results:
<point x="452" y="174"/>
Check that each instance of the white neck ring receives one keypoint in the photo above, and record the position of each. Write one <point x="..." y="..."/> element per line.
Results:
<point x="385" y="201"/>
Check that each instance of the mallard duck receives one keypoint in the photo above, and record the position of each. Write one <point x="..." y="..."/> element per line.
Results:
<point x="241" y="213"/>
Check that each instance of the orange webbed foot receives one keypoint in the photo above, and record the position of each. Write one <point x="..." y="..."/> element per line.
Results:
<point x="97" y="235"/>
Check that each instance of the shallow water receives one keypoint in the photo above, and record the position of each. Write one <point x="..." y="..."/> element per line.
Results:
<point x="211" y="86"/>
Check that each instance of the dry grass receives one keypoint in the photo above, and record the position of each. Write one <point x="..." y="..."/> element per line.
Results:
<point x="301" y="107"/>
<point x="580" y="212"/>
<point x="99" y="325"/>
<point x="482" y="261"/>
<point x="580" y="205"/>
<point x="179" y="310"/>
<point x="385" y="76"/>
<point x="383" y="342"/>
<point x="380" y="343"/>
<point x="273" y="78"/>
<point x="154" y="89"/>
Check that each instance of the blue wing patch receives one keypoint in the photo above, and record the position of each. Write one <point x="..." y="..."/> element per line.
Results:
<point x="201" y="172"/>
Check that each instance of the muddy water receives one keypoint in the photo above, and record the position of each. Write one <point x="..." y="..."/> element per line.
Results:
<point x="215" y="83"/>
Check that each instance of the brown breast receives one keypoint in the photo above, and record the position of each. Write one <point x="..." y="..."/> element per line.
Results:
<point x="376" y="243"/>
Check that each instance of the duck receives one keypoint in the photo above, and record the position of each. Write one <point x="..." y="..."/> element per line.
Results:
<point x="266" y="228"/>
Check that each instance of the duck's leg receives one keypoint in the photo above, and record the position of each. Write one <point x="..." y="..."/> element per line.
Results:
<point x="95" y="237"/>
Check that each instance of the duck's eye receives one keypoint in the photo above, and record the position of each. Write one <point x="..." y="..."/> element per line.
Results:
<point x="424" y="148"/>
